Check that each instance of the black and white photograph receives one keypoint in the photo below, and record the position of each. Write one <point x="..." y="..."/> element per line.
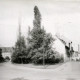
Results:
<point x="39" y="39"/>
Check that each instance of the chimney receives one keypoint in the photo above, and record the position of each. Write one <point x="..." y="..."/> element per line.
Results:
<point x="69" y="45"/>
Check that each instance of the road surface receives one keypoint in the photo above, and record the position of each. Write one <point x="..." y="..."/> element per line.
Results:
<point x="67" y="71"/>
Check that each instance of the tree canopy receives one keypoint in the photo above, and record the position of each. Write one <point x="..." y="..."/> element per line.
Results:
<point x="39" y="44"/>
<point x="40" y="41"/>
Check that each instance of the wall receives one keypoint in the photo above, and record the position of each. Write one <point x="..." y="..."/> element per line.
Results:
<point x="60" y="47"/>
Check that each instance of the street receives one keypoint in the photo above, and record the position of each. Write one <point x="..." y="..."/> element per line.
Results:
<point x="67" y="71"/>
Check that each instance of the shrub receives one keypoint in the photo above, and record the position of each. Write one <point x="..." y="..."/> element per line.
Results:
<point x="20" y="53"/>
<point x="7" y="58"/>
<point x="1" y="57"/>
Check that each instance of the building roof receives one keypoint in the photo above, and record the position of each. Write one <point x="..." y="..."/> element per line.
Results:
<point x="64" y="40"/>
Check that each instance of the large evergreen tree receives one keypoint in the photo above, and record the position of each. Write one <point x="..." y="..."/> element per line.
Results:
<point x="19" y="52"/>
<point x="40" y="42"/>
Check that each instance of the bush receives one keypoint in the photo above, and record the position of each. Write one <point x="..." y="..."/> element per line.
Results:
<point x="7" y="58"/>
<point x="1" y="57"/>
<point x="20" y="57"/>
<point x="52" y="58"/>
<point x="19" y="52"/>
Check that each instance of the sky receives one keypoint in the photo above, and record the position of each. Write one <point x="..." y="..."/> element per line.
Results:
<point x="58" y="16"/>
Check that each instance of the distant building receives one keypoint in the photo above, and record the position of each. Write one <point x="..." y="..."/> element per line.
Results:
<point x="6" y="49"/>
<point x="76" y="56"/>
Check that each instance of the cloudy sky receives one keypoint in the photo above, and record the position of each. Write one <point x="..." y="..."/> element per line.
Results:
<point x="58" y="16"/>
